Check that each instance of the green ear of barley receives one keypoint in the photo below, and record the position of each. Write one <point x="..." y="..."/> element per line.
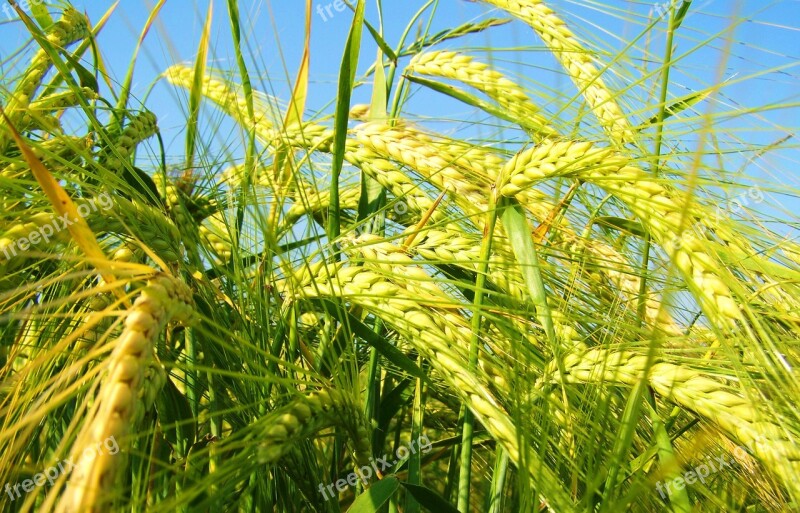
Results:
<point x="576" y="61"/>
<point x="126" y="392"/>
<point x="40" y="111"/>
<point x="141" y="127"/>
<point x="307" y="415"/>
<point x="71" y="27"/>
<point x="125" y="217"/>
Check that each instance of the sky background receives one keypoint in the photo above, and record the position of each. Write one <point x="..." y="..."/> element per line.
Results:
<point x="759" y="59"/>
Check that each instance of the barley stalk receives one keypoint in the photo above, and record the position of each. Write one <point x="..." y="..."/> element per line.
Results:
<point x="126" y="392"/>
<point x="576" y="61"/>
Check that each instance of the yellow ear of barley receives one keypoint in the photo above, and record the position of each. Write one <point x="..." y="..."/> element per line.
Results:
<point x="417" y="152"/>
<point x="312" y="201"/>
<point x="734" y="414"/>
<point x="576" y="61"/>
<point x="223" y="94"/>
<point x="651" y="202"/>
<point x="464" y="68"/>
<point x="317" y="138"/>
<point x="124" y="395"/>
<point x="439" y="334"/>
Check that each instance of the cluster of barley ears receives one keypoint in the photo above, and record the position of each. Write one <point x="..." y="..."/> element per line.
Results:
<point x="549" y="296"/>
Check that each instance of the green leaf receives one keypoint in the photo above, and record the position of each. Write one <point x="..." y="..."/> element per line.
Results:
<point x="429" y="499"/>
<point x="85" y="76"/>
<point x="382" y="44"/>
<point x="519" y="235"/>
<point x="679" y="497"/>
<point x="126" y="84"/>
<point x="621" y="224"/>
<point x="347" y="77"/>
<point x="196" y="93"/>
<point x="375" y="496"/>
<point x="177" y="422"/>
<point x="392" y="403"/>
<point x="142" y="183"/>
<point x="372" y="193"/>
<point x="678" y="107"/>
<point x="469" y="99"/>
<point x="680" y="14"/>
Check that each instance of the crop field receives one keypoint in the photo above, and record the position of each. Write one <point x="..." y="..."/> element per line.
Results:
<point x="372" y="256"/>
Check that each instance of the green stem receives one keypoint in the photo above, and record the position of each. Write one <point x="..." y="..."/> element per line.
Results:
<point x="633" y="407"/>
<point x="662" y="114"/>
<point x="480" y="282"/>
<point x="496" y="497"/>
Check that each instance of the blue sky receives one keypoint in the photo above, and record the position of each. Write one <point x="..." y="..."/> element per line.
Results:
<point x="760" y="59"/>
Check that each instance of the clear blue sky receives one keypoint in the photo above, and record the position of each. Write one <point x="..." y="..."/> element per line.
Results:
<point x="769" y="39"/>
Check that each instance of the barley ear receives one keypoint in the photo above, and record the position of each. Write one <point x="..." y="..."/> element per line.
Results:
<point x="126" y="392"/>
<point x="576" y="61"/>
